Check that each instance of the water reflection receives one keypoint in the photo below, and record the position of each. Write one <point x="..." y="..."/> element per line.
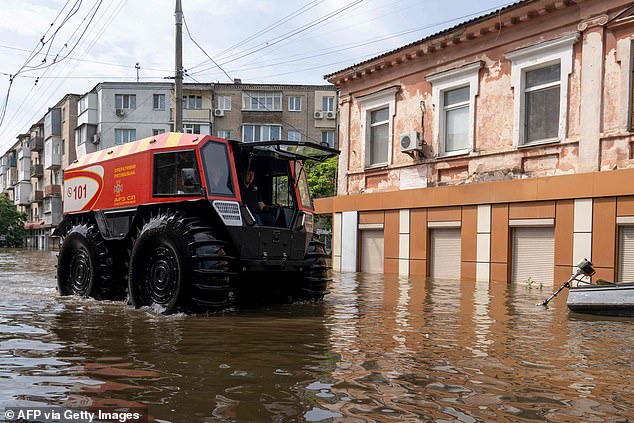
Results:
<point x="379" y="348"/>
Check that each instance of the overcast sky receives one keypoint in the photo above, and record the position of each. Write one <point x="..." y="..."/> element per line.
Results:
<point x="262" y="41"/>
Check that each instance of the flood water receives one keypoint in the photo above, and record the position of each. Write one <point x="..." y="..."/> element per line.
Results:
<point x="378" y="348"/>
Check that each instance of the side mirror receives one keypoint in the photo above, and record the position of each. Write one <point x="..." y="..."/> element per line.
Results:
<point x="586" y="267"/>
<point x="188" y="175"/>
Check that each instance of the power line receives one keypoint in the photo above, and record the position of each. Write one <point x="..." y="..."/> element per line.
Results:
<point x="115" y="11"/>
<point x="283" y="20"/>
<point x="93" y="61"/>
<point x="231" y="79"/>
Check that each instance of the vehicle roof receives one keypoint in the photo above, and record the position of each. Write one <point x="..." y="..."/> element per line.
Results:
<point x="158" y="142"/>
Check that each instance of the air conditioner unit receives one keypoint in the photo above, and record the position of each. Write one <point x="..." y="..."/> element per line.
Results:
<point x="219" y="112"/>
<point x="318" y="114"/>
<point x="330" y="115"/>
<point x="120" y="112"/>
<point x="411" y="142"/>
<point x="96" y="138"/>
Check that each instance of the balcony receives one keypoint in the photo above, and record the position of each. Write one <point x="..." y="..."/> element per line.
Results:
<point x="203" y="115"/>
<point x="37" y="196"/>
<point x="37" y="144"/>
<point x="37" y="171"/>
<point x="22" y="194"/>
<point x="10" y="179"/>
<point x="52" y="191"/>
<point x="52" y="158"/>
<point x="24" y="170"/>
<point x="12" y="162"/>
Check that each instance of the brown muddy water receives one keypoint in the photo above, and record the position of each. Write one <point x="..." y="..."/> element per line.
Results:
<point x="378" y="348"/>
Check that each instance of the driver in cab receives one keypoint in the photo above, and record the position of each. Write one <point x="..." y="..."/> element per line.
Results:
<point x="263" y="213"/>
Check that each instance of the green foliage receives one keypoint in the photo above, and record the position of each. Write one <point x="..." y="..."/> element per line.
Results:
<point x="11" y="223"/>
<point x="322" y="178"/>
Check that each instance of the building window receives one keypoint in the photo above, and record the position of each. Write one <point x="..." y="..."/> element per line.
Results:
<point x="223" y="102"/>
<point x="159" y="102"/>
<point x="377" y="111"/>
<point x="63" y="114"/>
<point x="453" y="94"/>
<point x="156" y="132"/>
<point x="328" y="137"/>
<point x="190" y="128"/>
<point x="262" y="100"/>
<point x="541" y="103"/>
<point x="294" y="136"/>
<point x="251" y="133"/>
<point x="192" y="102"/>
<point x="456" y="119"/>
<point x="224" y="133"/>
<point x="83" y="104"/>
<point x="379" y="136"/>
<point x="328" y="103"/>
<point x="125" y="101"/>
<point x="122" y="136"/>
<point x="294" y="104"/>
<point x="539" y="76"/>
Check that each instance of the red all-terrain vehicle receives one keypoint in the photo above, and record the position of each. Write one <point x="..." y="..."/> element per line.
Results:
<point x="181" y="221"/>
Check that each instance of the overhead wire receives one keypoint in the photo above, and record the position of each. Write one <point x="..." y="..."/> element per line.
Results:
<point x="246" y="92"/>
<point x="65" y="67"/>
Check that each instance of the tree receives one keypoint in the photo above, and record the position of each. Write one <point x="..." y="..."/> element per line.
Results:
<point x="322" y="178"/>
<point x="11" y="223"/>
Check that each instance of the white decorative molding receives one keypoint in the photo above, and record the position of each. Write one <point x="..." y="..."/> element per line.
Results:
<point x="535" y="223"/>
<point x="535" y="56"/>
<point x="463" y="76"/>
<point x="369" y="103"/>
<point x="445" y="224"/>
<point x="599" y="20"/>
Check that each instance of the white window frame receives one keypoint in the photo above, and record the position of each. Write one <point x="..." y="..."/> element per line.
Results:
<point x="294" y="103"/>
<point x="190" y="128"/>
<point x="157" y="131"/>
<point x="297" y="137"/>
<point x="325" y="133"/>
<point x="368" y="104"/>
<point x="261" y="97"/>
<point x="123" y="101"/>
<point x="223" y="102"/>
<point x="223" y="133"/>
<point x="161" y="101"/>
<point x="441" y="82"/>
<point x="559" y="50"/>
<point x="261" y="127"/>
<point x="329" y="102"/>
<point x="197" y="101"/>
<point x="128" y="132"/>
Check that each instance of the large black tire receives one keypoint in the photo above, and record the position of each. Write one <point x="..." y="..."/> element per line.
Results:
<point x="314" y="280"/>
<point x="85" y="265"/>
<point x="177" y="263"/>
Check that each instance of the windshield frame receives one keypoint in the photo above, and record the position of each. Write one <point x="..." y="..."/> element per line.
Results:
<point x="275" y="147"/>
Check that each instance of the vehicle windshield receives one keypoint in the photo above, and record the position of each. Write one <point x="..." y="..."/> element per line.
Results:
<point x="302" y="186"/>
<point x="218" y="175"/>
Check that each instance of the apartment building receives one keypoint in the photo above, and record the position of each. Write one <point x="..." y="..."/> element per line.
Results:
<point x="197" y="109"/>
<point x="260" y="112"/>
<point x="37" y="233"/>
<point x="114" y="113"/>
<point x="501" y="149"/>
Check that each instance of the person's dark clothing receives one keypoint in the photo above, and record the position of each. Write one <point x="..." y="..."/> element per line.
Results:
<point x="251" y="197"/>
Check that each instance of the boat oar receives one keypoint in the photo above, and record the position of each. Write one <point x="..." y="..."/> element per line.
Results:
<point x="583" y="268"/>
<point x="565" y="285"/>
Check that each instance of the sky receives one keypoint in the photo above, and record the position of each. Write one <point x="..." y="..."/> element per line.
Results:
<point x="259" y="41"/>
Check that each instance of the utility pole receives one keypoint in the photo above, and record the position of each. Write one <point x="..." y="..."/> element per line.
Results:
<point x="137" y="67"/>
<point x="178" y="77"/>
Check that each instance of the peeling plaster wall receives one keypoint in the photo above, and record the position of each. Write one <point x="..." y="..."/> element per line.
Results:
<point x="494" y="156"/>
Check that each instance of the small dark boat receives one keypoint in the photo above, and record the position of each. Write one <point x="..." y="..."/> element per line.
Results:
<point x="605" y="298"/>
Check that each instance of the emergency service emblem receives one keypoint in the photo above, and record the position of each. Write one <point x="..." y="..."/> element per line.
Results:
<point x="82" y="188"/>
